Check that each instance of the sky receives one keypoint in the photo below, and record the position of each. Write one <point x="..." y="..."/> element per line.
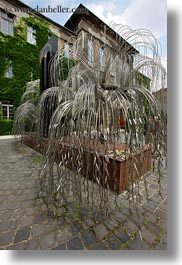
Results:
<point x="137" y="14"/>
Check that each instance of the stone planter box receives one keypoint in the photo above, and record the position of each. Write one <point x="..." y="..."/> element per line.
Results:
<point x="122" y="171"/>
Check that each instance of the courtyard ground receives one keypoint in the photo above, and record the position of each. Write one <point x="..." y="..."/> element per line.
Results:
<point x="27" y="223"/>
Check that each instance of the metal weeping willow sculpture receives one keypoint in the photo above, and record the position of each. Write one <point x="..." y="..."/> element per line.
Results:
<point x="27" y="115"/>
<point x="90" y="156"/>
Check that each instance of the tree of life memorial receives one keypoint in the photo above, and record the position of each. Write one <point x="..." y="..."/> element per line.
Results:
<point x="97" y="122"/>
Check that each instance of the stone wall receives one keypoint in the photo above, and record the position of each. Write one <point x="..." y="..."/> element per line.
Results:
<point x="161" y="96"/>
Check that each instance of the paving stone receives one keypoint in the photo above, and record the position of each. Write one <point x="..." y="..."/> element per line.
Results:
<point x="15" y="225"/>
<point x="31" y="196"/>
<point x="126" y="211"/>
<point x="100" y="231"/>
<point x="63" y="234"/>
<point x="12" y="205"/>
<point x="6" y="238"/>
<point x="22" y="234"/>
<point x="111" y="224"/>
<point x="18" y="214"/>
<point x="6" y="192"/>
<point x="88" y="237"/>
<point x="163" y="207"/>
<point x="3" y="198"/>
<point x="148" y="236"/>
<point x="20" y="246"/>
<point x="137" y="219"/>
<point x="162" y="214"/>
<point x="48" y="240"/>
<point x="44" y="207"/>
<point x="113" y="243"/>
<point x="61" y="211"/>
<point x="100" y="246"/>
<point x="61" y="222"/>
<point x="50" y="226"/>
<point x="60" y="247"/>
<point x="161" y="246"/>
<point x="22" y="198"/>
<point x="138" y="244"/>
<point x="26" y="221"/>
<point x="164" y="238"/>
<point x="5" y="215"/>
<point x="122" y="235"/>
<point x="75" y="228"/>
<point x="156" y="198"/>
<point x="5" y="225"/>
<point x="74" y="244"/>
<point x="130" y="227"/>
<point x="150" y="217"/>
<point x="28" y="204"/>
<point x="32" y="244"/>
<point x="71" y="217"/>
<point x="150" y="206"/>
<point x="163" y="224"/>
<point x="18" y="203"/>
<point x="50" y="213"/>
<point x="87" y="223"/>
<point x="100" y="217"/>
<point x="83" y="212"/>
<point x="37" y="230"/>
<point x="154" y="186"/>
<point x="155" y="229"/>
<point x="120" y="217"/>
<point x="38" y="218"/>
<point x="3" y="207"/>
<point x="30" y="211"/>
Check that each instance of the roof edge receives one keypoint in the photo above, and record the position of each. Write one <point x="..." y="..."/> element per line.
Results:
<point x="39" y="15"/>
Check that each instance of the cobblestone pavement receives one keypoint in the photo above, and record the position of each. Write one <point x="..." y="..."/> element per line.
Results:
<point x="26" y="223"/>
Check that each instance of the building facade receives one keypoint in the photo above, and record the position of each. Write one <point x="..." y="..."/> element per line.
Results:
<point x="161" y="96"/>
<point x="24" y="31"/>
<point x="22" y="35"/>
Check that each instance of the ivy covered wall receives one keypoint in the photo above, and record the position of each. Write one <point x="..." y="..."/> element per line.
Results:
<point x="24" y="57"/>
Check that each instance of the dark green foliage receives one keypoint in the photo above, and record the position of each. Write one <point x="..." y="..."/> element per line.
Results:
<point x="11" y="89"/>
<point x="145" y="82"/>
<point x="24" y="57"/>
<point x="66" y="65"/>
<point x="6" y="127"/>
<point x="42" y="30"/>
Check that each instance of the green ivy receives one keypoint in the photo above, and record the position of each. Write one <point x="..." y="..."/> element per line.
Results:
<point x="42" y="30"/>
<point x="145" y="82"/>
<point x="6" y="127"/>
<point x="24" y="57"/>
<point x="21" y="30"/>
<point x="65" y="65"/>
<point x="1" y="113"/>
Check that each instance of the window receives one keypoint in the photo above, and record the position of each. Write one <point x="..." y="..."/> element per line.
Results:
<point x="102" y="59"/>
<point x="9" y="70"/>
<point x="31" y="35"/>
<point x="90" y="51"/>
<point x="7" y="111"/>
<point x="6" y="23"/>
